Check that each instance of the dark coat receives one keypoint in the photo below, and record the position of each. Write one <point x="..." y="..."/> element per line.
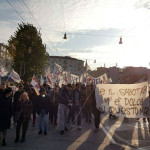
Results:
<point x="43" y="103"/>
<point x="74" y="96"/>
<point x="33" y="99"/>
<point x="54" y="99"/>
<point x="64" y="97"/>
<point x="6" y="111"/>
<point x="25" y="106"/>
<point x="16" y="99"/>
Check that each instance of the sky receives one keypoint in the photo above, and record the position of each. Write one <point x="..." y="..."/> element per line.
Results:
<point x="93" y="28"/>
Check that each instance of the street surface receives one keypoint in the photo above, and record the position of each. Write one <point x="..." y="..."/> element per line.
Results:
<point x="118" y="134"/>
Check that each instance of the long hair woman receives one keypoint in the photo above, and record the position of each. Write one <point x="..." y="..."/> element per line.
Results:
<point x="33" y="97"/>
<point x="24" y="107"/>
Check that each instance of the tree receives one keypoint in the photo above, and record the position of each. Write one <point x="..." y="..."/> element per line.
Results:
<point x="28" y="52"/>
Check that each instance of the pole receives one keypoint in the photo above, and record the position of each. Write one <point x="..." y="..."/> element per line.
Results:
<point x="81" y="109"/>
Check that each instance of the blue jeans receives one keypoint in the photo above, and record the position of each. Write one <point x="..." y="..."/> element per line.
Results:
<point x="43" y="118"/>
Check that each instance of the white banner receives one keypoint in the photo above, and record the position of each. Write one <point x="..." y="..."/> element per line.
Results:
<point x="15" y="76"/>
<point x="126" y="100"/>
<point x="99" y="80"/>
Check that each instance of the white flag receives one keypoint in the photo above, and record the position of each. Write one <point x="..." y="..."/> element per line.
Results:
<point x="57" y="69"/>
<point x="3" y="72"/>
<point x="69" y="78"/>
<point x="48" y="77"/>
<point x="15" y="76"/>
<point x="35" y="84"/>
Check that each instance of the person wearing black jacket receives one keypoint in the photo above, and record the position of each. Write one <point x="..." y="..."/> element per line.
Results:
<point x="33" y="98"/>
<point x="76" y="105"/>
<point x="42" y="108"/>
<point x="63" y="110"/>
<point x="6" y="111"/>
<point x="17" y="96"/>
<point x="54" y="98"/>
<point x="96" y="112"/>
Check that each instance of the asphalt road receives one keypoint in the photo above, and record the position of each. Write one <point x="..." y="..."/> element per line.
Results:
<point x="118" y="134"/>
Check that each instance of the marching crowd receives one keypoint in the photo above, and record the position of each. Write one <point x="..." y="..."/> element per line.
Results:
<point x="57" y="105"/>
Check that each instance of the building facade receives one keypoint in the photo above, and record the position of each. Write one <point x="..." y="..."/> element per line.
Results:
<point x="75" y="66"/>
<point x="5" y="58"/>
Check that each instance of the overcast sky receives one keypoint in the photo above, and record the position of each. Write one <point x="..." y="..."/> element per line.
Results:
<point x="93" y="28"/>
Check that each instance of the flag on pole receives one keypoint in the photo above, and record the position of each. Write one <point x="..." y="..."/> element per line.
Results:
<point x="35" y="84"/>
<point x="57" y="72"/>
<point x="15" y="76"/>
<point x="69" y="78"/>
<point x="57" y="69"/>
<point x="48" y="77"/>
<point x="83" y="78"/>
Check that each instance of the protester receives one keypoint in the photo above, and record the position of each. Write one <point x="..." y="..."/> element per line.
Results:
<point x="54" y="105"/>
<point x="77" y="105"/>
<point x="33" y="97"/>
<point x="26" y="86"/>
<point x="63" y="108"/>
<point x="17" y="96"/>
<point x="96" y="112"/>
<point x="88" y="99"/>
<point x="70" y="93"/>
<point x="24" y="109"/>
<point x="42" y="108"/>
<point x="6" y="111"/>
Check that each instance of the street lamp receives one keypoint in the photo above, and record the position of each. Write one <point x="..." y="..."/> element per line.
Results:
<point x="120" y="42"/>
<point x="65" y="36"/>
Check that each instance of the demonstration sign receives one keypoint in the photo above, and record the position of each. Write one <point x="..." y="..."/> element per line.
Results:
<point x="127" y="100"/>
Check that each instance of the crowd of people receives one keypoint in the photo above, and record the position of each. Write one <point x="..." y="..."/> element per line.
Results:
<point x="59" y="106"/>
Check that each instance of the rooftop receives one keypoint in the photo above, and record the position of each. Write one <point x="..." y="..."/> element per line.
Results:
<point x="65" y="57"/>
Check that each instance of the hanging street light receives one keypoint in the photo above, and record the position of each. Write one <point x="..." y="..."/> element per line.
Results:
<point x="120" y="42"/>
<point x="65" y="36"/>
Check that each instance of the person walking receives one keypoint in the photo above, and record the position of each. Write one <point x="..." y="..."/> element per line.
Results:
<point x="63" y="108"/>
<point x="77" y="105"/>
<point x="17" y="96"/>
<point x="54" y="105"/>
<point x="96" y="112"/>
<point x="24" y="109"/>
<point x="42" y="108"/>
<point x="33" y="97"/>
<point x="6" y="111"/>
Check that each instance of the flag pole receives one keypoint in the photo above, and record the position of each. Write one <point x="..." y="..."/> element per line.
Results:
<point x="81" y="108"/>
